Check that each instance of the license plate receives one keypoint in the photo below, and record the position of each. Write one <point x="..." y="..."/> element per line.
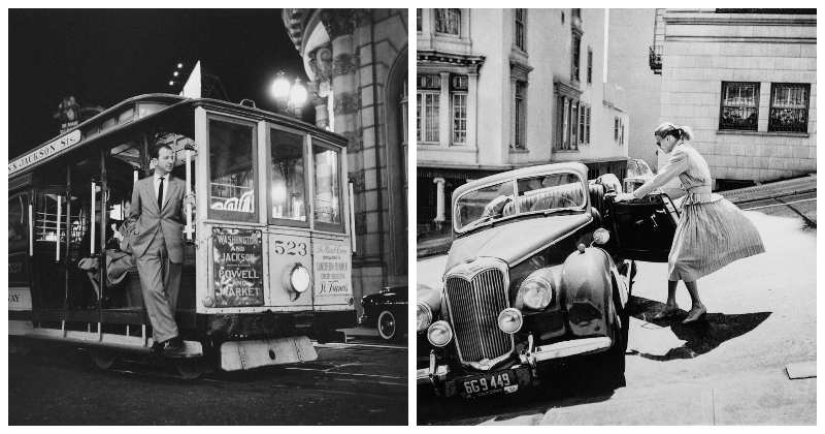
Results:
<point x="488" y="384"/>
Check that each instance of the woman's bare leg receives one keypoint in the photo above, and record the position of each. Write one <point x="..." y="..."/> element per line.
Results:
<point x="671" y="308"/>
<point x="698" y="308"/>
<point x="671" y="293"/>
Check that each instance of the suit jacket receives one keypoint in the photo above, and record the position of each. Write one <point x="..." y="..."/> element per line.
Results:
<point x="149" y="220"/>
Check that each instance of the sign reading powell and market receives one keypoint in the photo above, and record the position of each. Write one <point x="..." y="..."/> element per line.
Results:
<point x="237" y="267"/>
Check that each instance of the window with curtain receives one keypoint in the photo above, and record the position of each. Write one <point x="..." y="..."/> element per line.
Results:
<point x="789" y="107"/>
<point x="521" y="29"/>
<point x="448" y="21"/>
<point x="458" y="103"/>
<point x="740" y="106"/>
<point x="427" y="108"/>
<point x="520" y="136"/>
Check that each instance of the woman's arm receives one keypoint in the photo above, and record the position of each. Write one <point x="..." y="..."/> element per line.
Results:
<point x="676" y="165"/>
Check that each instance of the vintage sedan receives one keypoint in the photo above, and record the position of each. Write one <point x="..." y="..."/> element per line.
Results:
<point x="539" y="273"/>
<point x="387" y="312"/>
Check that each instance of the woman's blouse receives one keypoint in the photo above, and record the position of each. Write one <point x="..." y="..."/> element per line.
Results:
<point x="693" y="172"/>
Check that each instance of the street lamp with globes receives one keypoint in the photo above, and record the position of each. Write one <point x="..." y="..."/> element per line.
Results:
<point x="289" y="97"/>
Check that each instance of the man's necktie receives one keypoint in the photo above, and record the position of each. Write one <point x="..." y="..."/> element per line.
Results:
<point x="160" y="195"/>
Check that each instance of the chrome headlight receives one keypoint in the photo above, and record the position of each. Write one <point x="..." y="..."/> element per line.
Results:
<point x="601" y="236"/>
<point x="510" y="320"/>
<point x="440" y="333"/>
<point x="424" y="316"/>
<point x="299" y="278"/>
<point x="536" y="291"/>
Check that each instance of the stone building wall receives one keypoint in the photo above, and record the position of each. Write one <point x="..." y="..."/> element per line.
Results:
<point x="702" y="49"/>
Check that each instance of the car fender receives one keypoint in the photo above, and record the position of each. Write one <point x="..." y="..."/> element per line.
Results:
<point x="587" y="288"/>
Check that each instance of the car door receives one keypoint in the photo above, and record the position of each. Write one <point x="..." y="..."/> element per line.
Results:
<point x="644" y="228"/>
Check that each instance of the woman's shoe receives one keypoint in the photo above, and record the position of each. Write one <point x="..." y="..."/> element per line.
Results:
<point x="668" y="312"/>
<point x="695" y="314"/>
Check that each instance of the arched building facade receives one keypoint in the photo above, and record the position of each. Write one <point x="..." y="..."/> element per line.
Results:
<point x="356" y="60"/>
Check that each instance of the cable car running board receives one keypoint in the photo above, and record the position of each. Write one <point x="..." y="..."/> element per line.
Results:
<point x="118" y="342"/>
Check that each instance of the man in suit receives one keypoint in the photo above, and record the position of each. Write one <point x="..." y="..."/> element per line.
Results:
<point x="157" y="245"/>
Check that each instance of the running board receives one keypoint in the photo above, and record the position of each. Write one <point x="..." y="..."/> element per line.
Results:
<point x="109" y="340"/>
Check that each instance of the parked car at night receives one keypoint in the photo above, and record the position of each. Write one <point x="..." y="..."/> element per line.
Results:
<point x="539" y="274"/>
<point x="387" y="312"/>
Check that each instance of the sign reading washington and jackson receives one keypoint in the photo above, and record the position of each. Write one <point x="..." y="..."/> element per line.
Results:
<point x="237" y="267"/>
<point x="58" y="145"/>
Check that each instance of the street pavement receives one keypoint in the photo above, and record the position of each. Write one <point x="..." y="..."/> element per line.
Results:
<point x="363" y="383"/>
<point x="730" y="370"/>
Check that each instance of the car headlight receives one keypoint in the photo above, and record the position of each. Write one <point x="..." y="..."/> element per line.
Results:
<point x="440" y="333"/>
<point x="424" y="316"/>
<point x="299" y="278"/>
<point x="536" y="291"/>
<point x="510" y="320"/>
<point x="601" y="236"/>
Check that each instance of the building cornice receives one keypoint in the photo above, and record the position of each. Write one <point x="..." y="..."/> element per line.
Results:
<point x="566" y="89"/>
<point x="749" y="39"/>
<point x="447" y="59"/>
<point x="698" y="19"/>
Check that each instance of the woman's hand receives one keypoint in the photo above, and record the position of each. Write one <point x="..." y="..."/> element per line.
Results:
<point x="624" y="197"/>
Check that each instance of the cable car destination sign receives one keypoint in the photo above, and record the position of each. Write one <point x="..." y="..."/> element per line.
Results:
<point x="238" y="267"/>
<point x="58" y="145"/>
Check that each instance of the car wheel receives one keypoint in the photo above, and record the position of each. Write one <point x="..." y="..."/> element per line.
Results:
<point x="387" y="325"/>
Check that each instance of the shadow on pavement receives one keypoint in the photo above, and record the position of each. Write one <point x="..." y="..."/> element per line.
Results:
<point x="700" y="337"/>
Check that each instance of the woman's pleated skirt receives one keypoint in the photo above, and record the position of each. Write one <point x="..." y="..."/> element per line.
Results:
<point x="709" y="236"/>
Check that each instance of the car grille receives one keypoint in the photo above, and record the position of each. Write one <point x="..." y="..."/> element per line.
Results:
<point x="474" y="307"/>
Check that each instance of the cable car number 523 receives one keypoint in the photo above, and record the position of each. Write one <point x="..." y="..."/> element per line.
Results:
<point x="291" y="248"/>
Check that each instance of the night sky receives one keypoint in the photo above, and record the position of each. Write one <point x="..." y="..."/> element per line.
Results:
<point x="102" y="57"/>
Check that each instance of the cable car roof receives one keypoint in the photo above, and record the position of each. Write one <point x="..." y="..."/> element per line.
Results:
<point x="127" y="114"/>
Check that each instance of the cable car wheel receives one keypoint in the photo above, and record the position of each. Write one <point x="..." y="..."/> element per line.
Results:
<point x="190" y="369"/>
<point x="104" y="359"/>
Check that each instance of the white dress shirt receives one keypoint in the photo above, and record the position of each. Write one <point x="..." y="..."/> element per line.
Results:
<point x="165" y="186"/>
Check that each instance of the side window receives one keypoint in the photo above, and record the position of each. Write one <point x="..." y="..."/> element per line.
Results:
<point x="287" y="182"/>
<point x="48" y="213"/>
<point x="327" y="187"/>
<point x="232" y="185"/>
<point x="19" y="222"/>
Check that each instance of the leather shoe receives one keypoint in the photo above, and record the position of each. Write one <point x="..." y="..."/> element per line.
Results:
<point x="157" y="348"/>
<point x="174" y="348"/>
<point x="668" y="312"/>
<point x="695" y="314"/>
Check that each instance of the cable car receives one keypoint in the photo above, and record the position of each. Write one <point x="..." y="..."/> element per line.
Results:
<point x="268" y="239"/>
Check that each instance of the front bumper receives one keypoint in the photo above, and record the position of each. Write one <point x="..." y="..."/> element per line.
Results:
<point x="447" y="384"/>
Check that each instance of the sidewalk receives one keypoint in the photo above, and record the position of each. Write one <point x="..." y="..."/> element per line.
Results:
<point x="788" y="187"/>
<point x="360" y="332"/>
<point x="750" y="398"/>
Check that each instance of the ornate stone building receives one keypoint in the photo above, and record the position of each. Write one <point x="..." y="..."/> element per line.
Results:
<point x="356" y="60"/>
<point x="499" y="89"/>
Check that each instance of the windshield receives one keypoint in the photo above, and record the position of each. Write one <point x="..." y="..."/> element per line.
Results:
<point x="545" y="194"/>
<point x="638" y="169"/>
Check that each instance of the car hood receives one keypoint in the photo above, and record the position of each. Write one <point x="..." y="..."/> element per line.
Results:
<point x="512" y="241"/>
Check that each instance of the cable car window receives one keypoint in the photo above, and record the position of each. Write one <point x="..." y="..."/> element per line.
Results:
<point x="46" y="218"/>
<point x="327" y="185"/>
<point x="232" y="171"/>
<point x="287" y="185"/>
<point x="19" y="222"/>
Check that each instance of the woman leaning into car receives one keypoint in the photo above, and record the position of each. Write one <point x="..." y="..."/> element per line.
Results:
<point x="712" y="232"/>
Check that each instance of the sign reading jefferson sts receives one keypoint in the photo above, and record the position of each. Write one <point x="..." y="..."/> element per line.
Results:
<point x="60" y="144"/>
